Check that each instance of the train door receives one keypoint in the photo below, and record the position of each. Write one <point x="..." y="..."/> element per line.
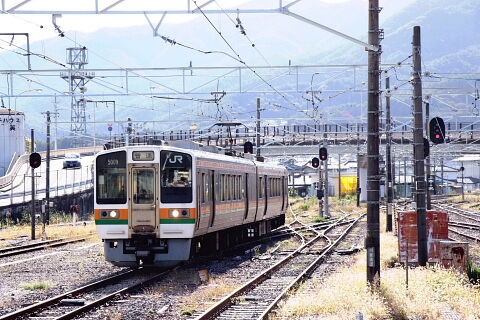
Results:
<point x="144" y="198"/>
<point x="200" y="196"/>
<point x="213" y="198"/>
<point x="245" y="194"/>
<point x="265" y="193"/>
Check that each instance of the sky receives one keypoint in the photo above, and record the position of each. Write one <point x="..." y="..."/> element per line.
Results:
<point x="41" y="27"/>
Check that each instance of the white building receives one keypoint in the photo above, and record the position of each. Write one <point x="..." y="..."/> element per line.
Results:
<point x="12" y="137"/>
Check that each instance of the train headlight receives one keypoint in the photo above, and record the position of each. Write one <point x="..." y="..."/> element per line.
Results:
<point x="114" y="214"/>
<point x="179" y="213"/>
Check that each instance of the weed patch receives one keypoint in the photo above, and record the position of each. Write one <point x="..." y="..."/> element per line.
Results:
<point x="40" y="285"/>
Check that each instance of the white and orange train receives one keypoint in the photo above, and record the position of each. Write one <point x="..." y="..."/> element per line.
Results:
<point x="158" y="205"/>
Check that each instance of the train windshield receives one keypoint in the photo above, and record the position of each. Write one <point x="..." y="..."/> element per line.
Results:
<point x="111" y="178"/>
<point x="176" y="177"/>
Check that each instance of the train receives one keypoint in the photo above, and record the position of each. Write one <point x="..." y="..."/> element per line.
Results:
<point x="158" y="205"/>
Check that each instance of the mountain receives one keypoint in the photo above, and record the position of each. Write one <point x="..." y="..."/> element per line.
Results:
<point x="450" y="44"/>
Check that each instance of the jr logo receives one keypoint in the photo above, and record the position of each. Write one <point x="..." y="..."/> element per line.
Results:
<point x="176" y="159"/>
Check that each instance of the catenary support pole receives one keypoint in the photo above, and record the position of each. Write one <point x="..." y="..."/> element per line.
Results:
<point x="258" y="127"/>
<point x="32" y="214"/>
<point x="372" y="240"/>
<point x="419" y="165"/>
<point x="47" y="173"/>
<point x="427" y="160"/>
<point x="388" y="158"/>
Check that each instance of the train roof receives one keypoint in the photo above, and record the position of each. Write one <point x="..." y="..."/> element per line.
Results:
<point x="206" y="152"/>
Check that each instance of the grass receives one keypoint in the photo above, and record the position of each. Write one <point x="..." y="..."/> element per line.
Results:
<point x="40" y="285"/>
<point x="214" y="290"/>
<point x="432" y="293"/>
<point x="307" y="209"/>
<point x="51" y="231"/>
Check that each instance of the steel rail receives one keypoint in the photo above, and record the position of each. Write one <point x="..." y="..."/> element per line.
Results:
<point x="464" y="235"/>
<point x="309" y="270"/>
<point x="11" y="251"/>
<point x="80" y="310"/>
<point x="51" y="301"/>
<point x="264" y="275"/>
<point x="74" y="313"/>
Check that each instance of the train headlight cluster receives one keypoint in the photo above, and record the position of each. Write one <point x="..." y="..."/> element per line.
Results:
<point x="112" y="214"/>
<point x="179" y="213"/>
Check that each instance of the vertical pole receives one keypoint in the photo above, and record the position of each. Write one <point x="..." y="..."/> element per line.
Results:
<point x="55" y="147"/>
<point x="358" y="167"/>
<point x="372" y="240"/>
<point x="441" y="173"/>
<point x="47" y="173"/>
<point x="320" y="184"/>
<point x="326" y="210"/>
<point x="94" y="127"/>
<point x="258" y="127"/>
<point x="419" y="158"/>
<point x="28" y="51"/>
<point x="463" y="185"/>
<point x="32" y="214"/>
<point x="427" y="159"/>
<point x="405" y="176"/>
<point x="339" y="178"/>
<point x="388" y="158"/>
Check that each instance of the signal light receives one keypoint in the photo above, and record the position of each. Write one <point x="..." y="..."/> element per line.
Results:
<point x="74" y="208"/>
<point x="35" y="160"/>
<point x="323" y="153"/>
<point x="315" y="162"/>
<point x="248" y="147"/>
<point x="437" y="130"/>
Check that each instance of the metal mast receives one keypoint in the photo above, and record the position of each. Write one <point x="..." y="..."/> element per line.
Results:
<point x="372" y="240"/>
<point x="420" y="186"/>
<point x="77" y="58"/>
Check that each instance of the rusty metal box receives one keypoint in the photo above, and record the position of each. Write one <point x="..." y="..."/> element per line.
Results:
<point x="437" y="229"/>
<point x="454" y="254"/>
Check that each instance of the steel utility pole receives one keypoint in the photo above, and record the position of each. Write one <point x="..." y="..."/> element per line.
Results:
<point x="258" y="127"/>
<point x="320" y="185"/>
<point x="388" y="158"/>
<point x="339" y="178"/>
<point x="358" y="166"/>
<point x="47" y="190"/>
<point x="326" y="210"/>
<point x="419" y="158"/>
<point x="372" y="240"/>
<point x="427" y="159"/>
<point x="32" y="215"/>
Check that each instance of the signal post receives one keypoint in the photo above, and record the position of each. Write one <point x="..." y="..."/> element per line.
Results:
<point x="35" y="161"/>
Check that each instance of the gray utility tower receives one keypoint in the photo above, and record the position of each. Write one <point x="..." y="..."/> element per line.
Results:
<point x="77" y="58"/>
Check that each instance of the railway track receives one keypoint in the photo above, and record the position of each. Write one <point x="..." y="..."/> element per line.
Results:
<point x="16" y="250"/>
<point x="83" y="299"/>
<point x="259" y="296"/>
<point x="462" y="213"/>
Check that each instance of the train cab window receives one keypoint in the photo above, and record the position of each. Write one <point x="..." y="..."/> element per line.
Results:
<point x="143" y="185"/>
<point x="111" y="177"/>
<point x="176" y="177"/>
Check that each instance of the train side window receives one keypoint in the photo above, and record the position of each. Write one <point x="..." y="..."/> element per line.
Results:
<point x="204" y="188"/>
<point x="260" y="187"/>
<point x="223" y="190"/>
<point x="238" y="195"/>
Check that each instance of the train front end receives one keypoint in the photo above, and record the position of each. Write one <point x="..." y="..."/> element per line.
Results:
<point x="144" y="205"/>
